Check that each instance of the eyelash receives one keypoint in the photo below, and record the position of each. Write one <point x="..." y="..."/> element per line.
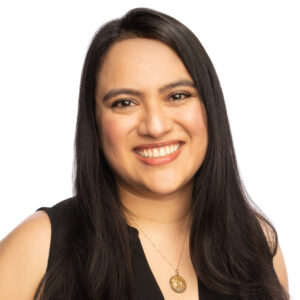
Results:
<point x="115" y="104"/>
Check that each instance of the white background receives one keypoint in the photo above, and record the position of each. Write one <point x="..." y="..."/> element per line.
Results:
<point x="255" y="47"/>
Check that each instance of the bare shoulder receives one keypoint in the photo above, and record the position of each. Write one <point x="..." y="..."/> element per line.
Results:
<point x="278" y="259"/>
<point x="269" y="234"/>
<point x="23" y="257"/>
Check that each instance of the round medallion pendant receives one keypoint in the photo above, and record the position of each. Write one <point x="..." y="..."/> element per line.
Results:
<point x="177" y="284"/>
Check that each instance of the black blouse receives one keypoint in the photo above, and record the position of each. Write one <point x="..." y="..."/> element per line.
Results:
<point x="62" y="216"/>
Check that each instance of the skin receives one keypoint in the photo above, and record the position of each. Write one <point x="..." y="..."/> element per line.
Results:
<point x="150" y="118"/>
<point x="23" y="257"/>
<point x="159" y="196"/>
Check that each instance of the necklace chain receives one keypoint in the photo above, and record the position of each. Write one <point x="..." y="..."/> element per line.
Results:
<point x="164" y="257"/>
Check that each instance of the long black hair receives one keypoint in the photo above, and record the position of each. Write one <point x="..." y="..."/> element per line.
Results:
<point x="229" y="250"/>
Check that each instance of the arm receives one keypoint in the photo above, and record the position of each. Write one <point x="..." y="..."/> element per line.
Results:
<point x="23" y="257"/>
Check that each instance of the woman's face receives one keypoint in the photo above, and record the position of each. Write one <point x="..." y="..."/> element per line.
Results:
<point x="146" y="96"/>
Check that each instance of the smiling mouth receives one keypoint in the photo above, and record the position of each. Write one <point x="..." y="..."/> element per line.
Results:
<point x="159" y="151"/>
<point x="160" y="155"/>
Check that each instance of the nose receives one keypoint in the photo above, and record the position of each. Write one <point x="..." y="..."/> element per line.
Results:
<point x="155" y="121"/>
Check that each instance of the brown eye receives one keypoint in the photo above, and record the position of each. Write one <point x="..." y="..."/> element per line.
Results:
<point x="122" y="103"/>
<point x="179" y="96"/>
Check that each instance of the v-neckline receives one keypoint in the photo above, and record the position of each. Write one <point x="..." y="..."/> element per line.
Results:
<point x="146" y="284"/>
<point x="140" y="260"/>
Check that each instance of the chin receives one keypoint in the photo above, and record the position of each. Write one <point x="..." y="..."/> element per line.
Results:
<point x="163" y="189"/>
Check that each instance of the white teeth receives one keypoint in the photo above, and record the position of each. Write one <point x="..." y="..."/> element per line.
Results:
<point x="158" y="152"/>
<point x="162" y="152"/>
<point x="168" y="150"/>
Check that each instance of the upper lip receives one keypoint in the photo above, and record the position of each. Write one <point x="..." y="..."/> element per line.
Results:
<point x="157" y="145"/>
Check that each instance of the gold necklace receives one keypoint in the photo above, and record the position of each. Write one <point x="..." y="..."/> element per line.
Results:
<point x="177" y="282"/>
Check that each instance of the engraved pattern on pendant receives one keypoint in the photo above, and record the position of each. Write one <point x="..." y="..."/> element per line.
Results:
<point x="178" y="284"/>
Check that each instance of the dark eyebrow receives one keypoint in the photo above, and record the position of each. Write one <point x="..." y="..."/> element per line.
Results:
<point x="115" y="92"/>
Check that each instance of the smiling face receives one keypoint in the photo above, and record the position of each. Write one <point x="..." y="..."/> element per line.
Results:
<point x="146" y="96"/>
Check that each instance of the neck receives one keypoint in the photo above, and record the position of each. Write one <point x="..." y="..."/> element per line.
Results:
<point x="166" y="212"/>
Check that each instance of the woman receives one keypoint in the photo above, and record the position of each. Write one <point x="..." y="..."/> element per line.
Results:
<point x="159" y="210"/>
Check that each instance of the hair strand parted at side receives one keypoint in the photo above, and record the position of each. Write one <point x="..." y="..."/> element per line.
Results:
<point x="228" y="247"/>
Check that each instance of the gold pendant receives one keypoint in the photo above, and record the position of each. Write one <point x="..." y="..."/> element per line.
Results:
<point x="177" y="283"/>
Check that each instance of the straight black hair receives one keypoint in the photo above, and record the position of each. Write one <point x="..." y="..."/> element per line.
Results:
<point x="229" y="249"/>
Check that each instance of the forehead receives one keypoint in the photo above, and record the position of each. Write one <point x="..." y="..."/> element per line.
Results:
<point x="140" y="62"/>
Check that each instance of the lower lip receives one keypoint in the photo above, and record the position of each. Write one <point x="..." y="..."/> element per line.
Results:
<point x="157" y="161"/>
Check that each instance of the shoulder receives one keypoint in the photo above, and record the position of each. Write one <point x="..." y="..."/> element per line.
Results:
<point x="26" y="252"/>
<point x="270" y="234"/>
<point x="23" y="257"/>
<point x="278" y="259"/>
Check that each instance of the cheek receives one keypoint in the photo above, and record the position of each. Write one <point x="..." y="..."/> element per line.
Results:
<point x="111" y="135"/>
<point x="194" y="121"/>
<point x="114" y="133"/>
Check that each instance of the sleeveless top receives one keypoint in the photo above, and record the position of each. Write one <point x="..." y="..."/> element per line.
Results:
<point x="63" y="216"/>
